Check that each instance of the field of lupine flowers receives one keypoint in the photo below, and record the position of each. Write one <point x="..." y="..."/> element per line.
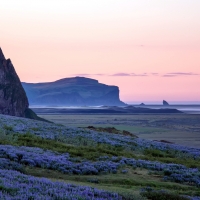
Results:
<point x="40" y="160"/>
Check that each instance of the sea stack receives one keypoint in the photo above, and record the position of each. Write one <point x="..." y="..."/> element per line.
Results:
<point x="165" y="103"/>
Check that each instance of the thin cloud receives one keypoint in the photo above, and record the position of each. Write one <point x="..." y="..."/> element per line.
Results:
<point x="167" y="75"/>
<point x="183" y="73"/>
<point x="125" y="74"/>
<point x="121" y="74"/>
<point x="144" y="74"/>
<point x="128" y="74"/>
<point x="175" y="74"/>
<point x="89" y="74"/>
<point x="155" y="74"/>
<point x="99" y="74"/>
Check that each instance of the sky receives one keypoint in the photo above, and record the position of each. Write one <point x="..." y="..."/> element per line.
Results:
<point x="149" y="48"/>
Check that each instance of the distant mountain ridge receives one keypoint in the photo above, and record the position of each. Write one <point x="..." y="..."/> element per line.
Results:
<point x="75" y="91"/>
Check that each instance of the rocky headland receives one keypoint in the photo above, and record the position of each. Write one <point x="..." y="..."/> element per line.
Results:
<point x="76" y="91"/>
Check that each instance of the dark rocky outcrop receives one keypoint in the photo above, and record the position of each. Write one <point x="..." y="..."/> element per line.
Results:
<point x="76" y="91"/>
<point x="111" y="130"/>
<point x="142" y="104"/>
<point x="13" y="99"/>
<point x="165" y="103"/>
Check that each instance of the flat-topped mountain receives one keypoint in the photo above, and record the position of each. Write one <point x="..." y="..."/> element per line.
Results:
<point x="76" y="91"/>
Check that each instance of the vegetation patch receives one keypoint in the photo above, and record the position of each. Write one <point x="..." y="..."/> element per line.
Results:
<point x="171" y="156"/>
<point x="127" y="184"/>
<point x="10" y="191"/>
<point x="87" y="152"/>
<point x="112" y="130"/>
<point x="161" y="195"/>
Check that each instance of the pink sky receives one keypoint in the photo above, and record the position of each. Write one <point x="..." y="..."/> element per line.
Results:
<point x="150" y="49"/>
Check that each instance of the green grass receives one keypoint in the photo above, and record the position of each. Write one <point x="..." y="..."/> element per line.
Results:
<point x="10" y="191"/>
<point x="5" y="136"/>
<point x="86" y="152"/>
<point x="162" y="195"/>
<point x="92" y="151"/>
<point x="8" y="128"/>
<point x="170" y="156"/>
<point x="127" y="185"/>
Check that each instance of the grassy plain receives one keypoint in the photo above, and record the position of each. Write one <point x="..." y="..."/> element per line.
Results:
<point x="180" y="129"/>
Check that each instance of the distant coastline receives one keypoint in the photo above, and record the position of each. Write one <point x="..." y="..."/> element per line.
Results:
<point x="188" y="109"/>
<point x="160" y="103"/>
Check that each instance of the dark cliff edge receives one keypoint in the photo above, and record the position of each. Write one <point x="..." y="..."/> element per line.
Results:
<point x="76" y="91"/>
<point x="13" y="99"/>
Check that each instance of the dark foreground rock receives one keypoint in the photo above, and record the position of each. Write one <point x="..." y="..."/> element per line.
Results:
<point x="13" y="99"/>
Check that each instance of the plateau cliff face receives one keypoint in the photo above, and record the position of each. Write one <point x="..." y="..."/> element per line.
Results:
<point x="77" y="91"/>
<point x="13" y="99"/>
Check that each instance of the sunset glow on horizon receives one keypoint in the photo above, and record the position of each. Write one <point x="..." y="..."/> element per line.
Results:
<point x="150" y="49"/>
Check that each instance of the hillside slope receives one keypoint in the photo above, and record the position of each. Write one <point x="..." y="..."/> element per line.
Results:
<point x="126" y="167"/>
